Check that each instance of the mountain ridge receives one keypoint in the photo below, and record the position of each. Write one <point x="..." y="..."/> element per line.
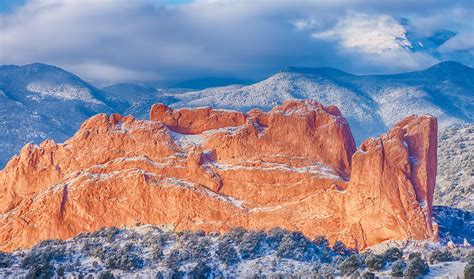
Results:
<point x="356" y="95"/>
<point x="448" y="65"/>
<point x="40" y="101"/>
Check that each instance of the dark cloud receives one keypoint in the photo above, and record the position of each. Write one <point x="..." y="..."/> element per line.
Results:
<point x="108" y="41"/>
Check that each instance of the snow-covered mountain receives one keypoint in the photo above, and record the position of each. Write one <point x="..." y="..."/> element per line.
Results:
<point x="39" y="101"/>
<point x="371" y="103"/>
<point x="137" y="99"/>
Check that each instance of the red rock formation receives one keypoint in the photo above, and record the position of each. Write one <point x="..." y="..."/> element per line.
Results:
<point x="215" y="169"/>
<point x="386" y="174"/>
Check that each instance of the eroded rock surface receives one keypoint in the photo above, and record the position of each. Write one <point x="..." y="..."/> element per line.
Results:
<point x="295" y="167"/>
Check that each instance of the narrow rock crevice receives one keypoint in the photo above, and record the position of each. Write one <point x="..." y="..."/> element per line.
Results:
<point x="62" y="207"/>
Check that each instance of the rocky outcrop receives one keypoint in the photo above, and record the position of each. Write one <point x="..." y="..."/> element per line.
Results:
<point x="295" y="167"/>
<point x="395" y="174"/>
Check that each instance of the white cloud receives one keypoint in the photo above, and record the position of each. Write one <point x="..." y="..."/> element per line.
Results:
<point x="369" y="34"/>
<point x="103" y="72"/>
<point x="114" y="40"/>
<point x="460" y="42"/>
<point x="305" y="24"/>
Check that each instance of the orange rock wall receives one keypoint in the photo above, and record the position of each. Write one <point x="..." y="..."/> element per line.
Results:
<point x="215" y="169"/>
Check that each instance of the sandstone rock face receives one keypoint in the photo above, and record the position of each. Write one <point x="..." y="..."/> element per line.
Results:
<point x="295" y="167"/>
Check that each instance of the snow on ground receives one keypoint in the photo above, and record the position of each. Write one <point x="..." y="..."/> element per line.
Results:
<point x="61" y="91"/>
<point x="147" y="251"/>
<point x="455" y="179"/>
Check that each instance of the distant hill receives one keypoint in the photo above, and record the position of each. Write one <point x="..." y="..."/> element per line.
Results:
<point x="40" y="101"/>
<point x="137" y="99"/>
<point x="371" y="103"/>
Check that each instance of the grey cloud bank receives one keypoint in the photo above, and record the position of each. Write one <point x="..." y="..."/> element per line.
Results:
<point x="145" y="40"/>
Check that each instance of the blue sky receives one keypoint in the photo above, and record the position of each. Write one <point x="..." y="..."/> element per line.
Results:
<point x="8" y="5"/>
<point x="173" y="40"/>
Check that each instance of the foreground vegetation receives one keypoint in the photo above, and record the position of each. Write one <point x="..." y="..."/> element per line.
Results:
<point x="152" y="252"/>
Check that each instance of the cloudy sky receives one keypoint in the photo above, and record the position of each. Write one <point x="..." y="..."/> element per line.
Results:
<point x="105" y="41"/>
